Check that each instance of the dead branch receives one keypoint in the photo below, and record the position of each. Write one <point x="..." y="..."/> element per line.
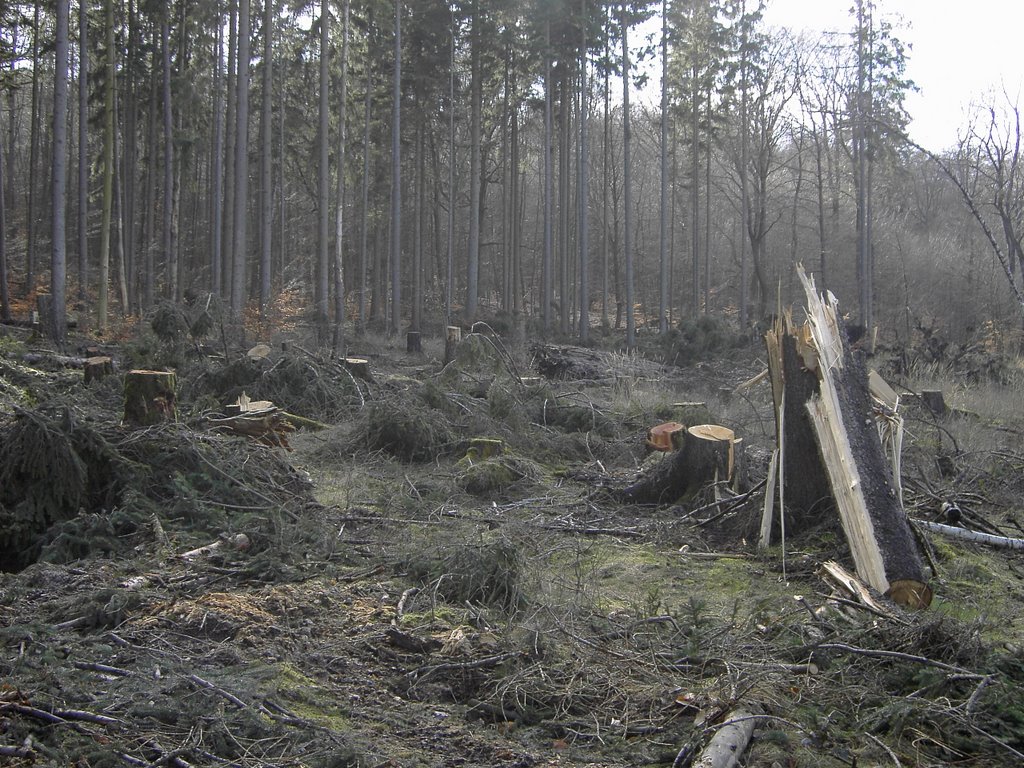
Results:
<point x="963" y="534"/>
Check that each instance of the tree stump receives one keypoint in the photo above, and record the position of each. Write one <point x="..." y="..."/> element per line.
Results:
<point x="44" y="310"/>
<point x="149" y="397"/>
<point x="452" y="339"/>
<point x="97" y="368"/>
<point x="413" y="342"/>
<point x="934" y="401"/>
<point x="359" y="367"/>
<point x="665" y="437"/>
<point x="706" y="455"/>
<point x="483" y="448"/>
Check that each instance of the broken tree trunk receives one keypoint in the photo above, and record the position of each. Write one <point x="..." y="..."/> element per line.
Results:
<point x="707" y="455"/>
<point x="829" y="433"/>
<point x="149" y="397"/>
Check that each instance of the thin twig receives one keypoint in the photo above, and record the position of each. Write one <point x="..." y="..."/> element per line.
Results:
<point x="886" y="748"/>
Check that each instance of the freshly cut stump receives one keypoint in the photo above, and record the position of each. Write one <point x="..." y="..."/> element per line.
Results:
<point x="707" y="455"/>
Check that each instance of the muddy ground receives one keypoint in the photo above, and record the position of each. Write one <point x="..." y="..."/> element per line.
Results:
<point x="399" y="598"/>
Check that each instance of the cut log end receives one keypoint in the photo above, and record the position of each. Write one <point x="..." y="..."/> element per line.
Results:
<point x="910" y="593"/>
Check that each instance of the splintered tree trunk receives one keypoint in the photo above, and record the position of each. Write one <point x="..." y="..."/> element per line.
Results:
<point x="707" y="455"/>
<point x="835" y="438"/>
<point x="149" y="397"/>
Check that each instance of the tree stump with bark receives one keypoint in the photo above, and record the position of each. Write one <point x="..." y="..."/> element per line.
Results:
<point x="452" y="339"/>
<point x="97" y="368"/>
<point x="706" y="455"/>
<point x="149" y="397"/>
<point x="413" y="342"/>
<point x="359" y="367"/>
<point x="934" y="401"/>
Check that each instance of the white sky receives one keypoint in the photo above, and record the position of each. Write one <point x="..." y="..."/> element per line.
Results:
<point x="961" y="51"/>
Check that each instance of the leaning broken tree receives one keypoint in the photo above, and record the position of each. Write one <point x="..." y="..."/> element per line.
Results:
<point x="830" y="451"/>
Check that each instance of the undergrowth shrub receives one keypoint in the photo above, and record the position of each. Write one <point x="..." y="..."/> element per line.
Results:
<point x="488" y="573"/>
<point x="407" y="429"/>
<point x="694" y="340"/>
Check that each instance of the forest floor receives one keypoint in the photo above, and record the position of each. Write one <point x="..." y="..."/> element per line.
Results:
<point x="401" y="600"/>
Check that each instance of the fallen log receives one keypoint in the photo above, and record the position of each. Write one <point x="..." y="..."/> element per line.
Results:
<point x="964" y="534"/>
<point x="831" y="453"/>
<point x="706" y="455"/>
<point x="729" y="741"/>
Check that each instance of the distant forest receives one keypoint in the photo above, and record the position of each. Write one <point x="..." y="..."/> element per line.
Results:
<point x="400" y="166"/>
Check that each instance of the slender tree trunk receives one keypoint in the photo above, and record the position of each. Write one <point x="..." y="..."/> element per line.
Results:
<point x="240" y="244"/>
<point x="419" y="209"/>
<point x="5" y="295"/>
<point x="170" y="259"/>
<point x="450" y="277"/>
<point x="663" y="158"/>
<point x="515" y="225"/>
<point x="396" y="179"/>
<point x="605" y="164"/>
<point x="321" y="286"/>
<point x="103" y="288"/>
<point x="217" y="170"/>
<point x="819" y="183"/>
<point x="628" y="185"/>
<point x="744" y="161"/>
<point x="83" y="151"/>
<point x="365" y="209"/>
<point x="119" y="220"/>
<point x="564" y="205"/>
<point x="547" y="282"/>
<point x="33" y="157"/>
<point x="475" y="170"/>
<point x="339" y="221"/>
<point x="58" y="262"/>
<point x="266" y="157"/>
<point x="707" y="227"/>
<point x="149" y="216"/>
<point x="12" y="132"/>
<point x="695" y="195"/>
<point x="231" y="138"/>
<point x="584" y="183"/>
<point x="129" y="165"/>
